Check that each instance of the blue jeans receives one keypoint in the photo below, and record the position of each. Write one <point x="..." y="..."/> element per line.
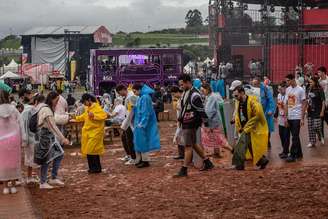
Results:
<point x="55" y="167"/>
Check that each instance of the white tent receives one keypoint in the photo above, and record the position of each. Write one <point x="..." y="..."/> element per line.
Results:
<point x="12" y="64"/>
<point x="189" y="68"/>
<point x="10" y="75"/>
<point x="207" y="60"/>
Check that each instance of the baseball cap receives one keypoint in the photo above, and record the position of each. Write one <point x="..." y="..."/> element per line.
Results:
<point x="235" y="84"/>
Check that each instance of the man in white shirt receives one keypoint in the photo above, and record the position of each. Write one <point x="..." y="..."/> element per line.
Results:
<point x="295" y="105"/>
<point x="62" y="106"/>
<point x="61" y="112"/>
<point x="127" y="136"/>
<point x="119" y="113"/>
<point x="322" y="72"/>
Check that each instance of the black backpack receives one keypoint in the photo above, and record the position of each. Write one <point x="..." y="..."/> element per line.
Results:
<point x="33" y="121"/>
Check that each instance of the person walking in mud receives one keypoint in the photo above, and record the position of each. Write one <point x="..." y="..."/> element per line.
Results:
<point x="253" y="129"/>
<point x="191" y="118"/>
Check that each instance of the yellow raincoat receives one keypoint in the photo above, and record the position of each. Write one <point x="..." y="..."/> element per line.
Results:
<point x="93" y="130"/>
<point x="256" y="126"/>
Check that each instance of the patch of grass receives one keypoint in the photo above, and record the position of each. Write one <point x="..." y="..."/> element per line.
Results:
<point x="163" y="39"/>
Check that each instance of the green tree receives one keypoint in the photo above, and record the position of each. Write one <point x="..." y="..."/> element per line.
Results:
<point x="194" y="19"/>
<point x="11" y="42"/>
<point x="137" y="42"/>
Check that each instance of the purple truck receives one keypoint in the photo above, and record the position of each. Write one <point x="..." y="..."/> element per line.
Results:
<point x="110" y="67"/>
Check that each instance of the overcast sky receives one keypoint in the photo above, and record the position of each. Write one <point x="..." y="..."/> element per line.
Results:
<point x="17" y="16"/>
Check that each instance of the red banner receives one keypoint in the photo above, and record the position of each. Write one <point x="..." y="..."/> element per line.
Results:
<point x="35" y="71"/>
<point x="316" y="17"/>
<point x="102" y="35"/>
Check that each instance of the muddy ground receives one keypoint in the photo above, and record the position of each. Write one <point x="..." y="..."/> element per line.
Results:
<point x="281" y="191"/>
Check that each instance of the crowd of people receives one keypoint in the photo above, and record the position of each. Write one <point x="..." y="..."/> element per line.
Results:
<point x="36" y="123"/>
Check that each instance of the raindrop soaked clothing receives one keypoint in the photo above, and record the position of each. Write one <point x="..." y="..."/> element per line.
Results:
<point x="253" y="123"/>
<point x="93" y="130"/>
<point x="146" y="135"/>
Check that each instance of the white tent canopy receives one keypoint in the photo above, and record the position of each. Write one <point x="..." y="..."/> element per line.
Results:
<point x="12" y="64"/>
<point x="207" y="60"/>
<point x="189" y="68"/>
<point x="10" y="75"/>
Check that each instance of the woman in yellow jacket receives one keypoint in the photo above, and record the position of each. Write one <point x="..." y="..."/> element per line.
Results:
<point x="92" y="132"/>
<point x="252" y="126"/>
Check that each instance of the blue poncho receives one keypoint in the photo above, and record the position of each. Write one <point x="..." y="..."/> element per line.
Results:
<point x="146" y="135"/>
<point x="268" y="105"/>
<point x="197" y="83"/>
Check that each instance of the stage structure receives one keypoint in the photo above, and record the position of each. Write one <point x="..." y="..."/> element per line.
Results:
<point x="278" y="35"/>
<point x="64" y="46"/>
<point x="110" y="67"/>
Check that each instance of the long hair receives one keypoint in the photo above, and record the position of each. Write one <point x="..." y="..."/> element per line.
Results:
<point x="88" y="97"/>
<point x="50" y="97"/>
<point x="315" y="79"/>
<point x="38" y="98"/>
<point x="4" y="97"/>
<point x="207" y="87"/>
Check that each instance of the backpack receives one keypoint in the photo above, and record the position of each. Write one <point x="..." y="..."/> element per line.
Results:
<point x="33" y="121"/>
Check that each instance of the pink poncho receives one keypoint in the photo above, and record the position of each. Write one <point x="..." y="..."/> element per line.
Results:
<point x="11" y="131"/>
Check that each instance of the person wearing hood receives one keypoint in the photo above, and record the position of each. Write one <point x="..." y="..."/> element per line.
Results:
<point x="217" y="86"/>
<point x="10" y="141"/>
<point x="29" y="139"/>
<point x="197" y="83"/>
<point x="92" y="132"/>
<point x="265" y="96"/>
<point x="146" y="134"/>
<point x="215" y="125"/>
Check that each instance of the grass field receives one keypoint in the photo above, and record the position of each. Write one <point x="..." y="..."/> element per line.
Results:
<point x="163" y="39"/>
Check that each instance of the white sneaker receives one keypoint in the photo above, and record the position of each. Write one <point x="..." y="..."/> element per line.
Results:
<point x="13" y="190"/>
<point x="46" y="186"/>
<point x="6" y="191"/>
<point x="56" y="182"/>
<point x="125" y="158"/>
<point x="130" y="162"/>
<point x="310" y="145"/>
<point x="19" y="182"/>
<point x="322" y="141"/>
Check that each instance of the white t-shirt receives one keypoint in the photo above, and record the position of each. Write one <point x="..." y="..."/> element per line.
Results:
<point x="61" y="106"/>
<point x="324" y="85"/>
<point x="120" y="112"/>
<point x="294" y="100"/>
<point x="281" y="100"/>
